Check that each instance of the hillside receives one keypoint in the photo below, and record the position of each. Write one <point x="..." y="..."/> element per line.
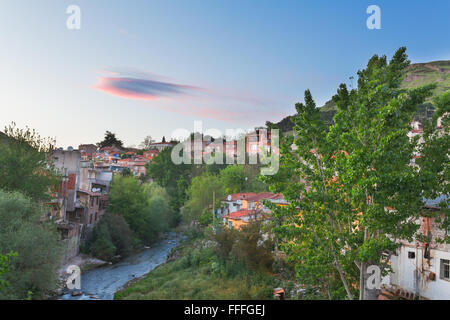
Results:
<point x="3" y="137"/>
<point x="417" y="74"/>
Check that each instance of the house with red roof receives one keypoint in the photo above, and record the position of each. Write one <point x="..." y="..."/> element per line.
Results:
<point x="150" y="154"/>
<point x="239" y="208"/>
<point x="242" y="217"/>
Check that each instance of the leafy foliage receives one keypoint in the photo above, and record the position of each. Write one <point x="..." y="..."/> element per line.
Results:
<point x="110" y="140"/>
<point x="5" y="261"/>
<point x="26" y="164"/>
<point x="233" y="178"/>
<point x="174" y="178"/>
<point x="145" y="207"/>
<point x="351" y="187"/>
<point x="36" y="242"/>
<point x="200" y="195"/>
<point x="111" y="236"/>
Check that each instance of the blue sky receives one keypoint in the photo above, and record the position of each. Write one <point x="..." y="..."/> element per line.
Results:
<point x="149" y="67"/>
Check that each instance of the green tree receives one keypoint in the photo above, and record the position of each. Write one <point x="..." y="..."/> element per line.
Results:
<point x="145" y="207"/>
<point x="352" y="188"/>
<point x="102" y="246"/>
<point x="126" y="172"/>
<point x="5" y="261"/>
<point x="233" y="178"/>
<point x="111" y="236"/>
<point x="26" y="163"/>
<point x="167" y="174"/>
<point x="200" y="195"/>
<point x="110" y="140"/>
<point x="36" y="242"/>
<point x="127" y="198"/>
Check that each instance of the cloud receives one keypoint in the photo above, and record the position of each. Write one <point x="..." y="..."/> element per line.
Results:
<point x="185" y="99"/>
<point x="140" y="88"/>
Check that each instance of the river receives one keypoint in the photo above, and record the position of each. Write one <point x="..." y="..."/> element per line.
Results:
<point x="101" y="283"/>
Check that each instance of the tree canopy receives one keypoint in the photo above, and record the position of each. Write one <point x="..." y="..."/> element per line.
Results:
<point x="145" y="207"/>
<point x="352" y="187"/>
<point x="36" y="243"/>
<point x="110" y="140"/>
<point x="26" y="164"/>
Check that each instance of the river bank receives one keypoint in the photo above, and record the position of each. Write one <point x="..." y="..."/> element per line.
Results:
<point x="101" y="282"/>
<point x="198" y="269"/>
<point x="194" y="273"/>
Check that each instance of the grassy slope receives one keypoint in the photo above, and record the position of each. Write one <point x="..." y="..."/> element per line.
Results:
<point x="193" y="279"/>
<point x="417" y="74"/>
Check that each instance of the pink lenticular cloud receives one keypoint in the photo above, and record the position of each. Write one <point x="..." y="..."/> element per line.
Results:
<point x="184" y="99"/>
<point x="146" y="89"/>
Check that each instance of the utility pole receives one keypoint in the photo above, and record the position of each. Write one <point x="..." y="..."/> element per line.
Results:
<point x="214" y="201"/>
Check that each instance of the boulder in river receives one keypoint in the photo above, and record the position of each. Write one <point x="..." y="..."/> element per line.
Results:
<point x="76" y="293"/>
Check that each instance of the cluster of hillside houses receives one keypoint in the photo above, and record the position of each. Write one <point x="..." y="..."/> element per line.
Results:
<point x="87" y="173"/>
<point x="419" y="270"/>
<point x="82" y="197"/>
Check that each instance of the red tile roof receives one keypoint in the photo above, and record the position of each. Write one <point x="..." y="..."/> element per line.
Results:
<point x="240" y="214"/>
<point x="250" y="196"/>
<point x="261" y="196"/>
<point x="242" y="195"/>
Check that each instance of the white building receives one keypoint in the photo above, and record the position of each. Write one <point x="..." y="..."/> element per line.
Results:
<point x="423" y="269"/>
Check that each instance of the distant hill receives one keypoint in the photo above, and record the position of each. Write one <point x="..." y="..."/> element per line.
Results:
<point x="416" y="75"/>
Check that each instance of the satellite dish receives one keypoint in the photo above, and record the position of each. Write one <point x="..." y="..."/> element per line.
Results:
<point x="229" y="197"/>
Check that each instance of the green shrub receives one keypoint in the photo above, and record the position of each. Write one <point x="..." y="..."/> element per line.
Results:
<point x="120" y="233"/>
<point x="145" y="207"/>
<point x="102" y="246"/>
<point x="36" y="243"/>
<point x="110" y="237"/>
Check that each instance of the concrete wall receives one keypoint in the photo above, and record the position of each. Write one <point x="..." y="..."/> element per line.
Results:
<point x="414" y="274"/>
<point x="68" y="163"/>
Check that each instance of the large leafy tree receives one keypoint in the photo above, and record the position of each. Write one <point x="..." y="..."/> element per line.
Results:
<point x="110" y="140"/>
<point x="36" y="243"/>
<point x="174" y="178"/>
<point x="145" y="208"/>
<point x="233" y="178"/>
<point x="352" y="189"/>
<point x="26" y="164"/>
<point x="204" y="189"/>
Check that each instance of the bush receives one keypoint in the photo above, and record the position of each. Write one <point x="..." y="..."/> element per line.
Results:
<point x="145" y="207"/>
<point x="35" y="241"/>
<point x="120" y="233"/>
<point x="246" y="245"/>
<point x="193" y="232"/>
<point x="206" y="218"/>
<point x="225" y="241"/>
<point x="111" y="237"/>
<point x="102" y="246"/>
<point x="252" y="249"/>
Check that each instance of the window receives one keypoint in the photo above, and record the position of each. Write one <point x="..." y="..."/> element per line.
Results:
<point x="411" y="255"/>
<point x="445" y="269"/>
